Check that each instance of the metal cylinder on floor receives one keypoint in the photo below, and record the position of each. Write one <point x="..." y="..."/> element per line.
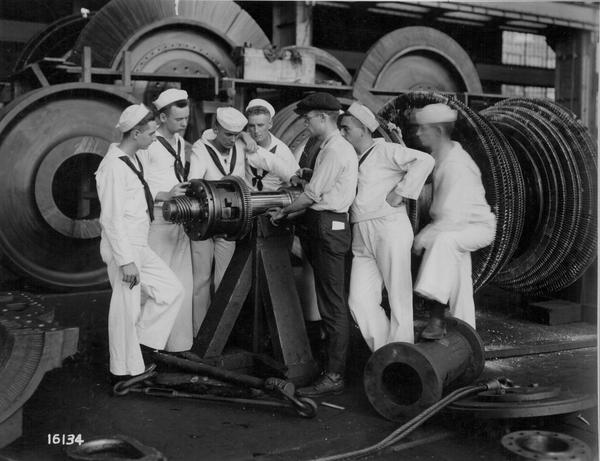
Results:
<point x="403" y="379"/>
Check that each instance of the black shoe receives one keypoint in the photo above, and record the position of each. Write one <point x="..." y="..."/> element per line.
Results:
<point x="148" y="353"/>
<point x="435" y="329"/>
<point x="114" y="379"/>
<point x="327" y="384"/>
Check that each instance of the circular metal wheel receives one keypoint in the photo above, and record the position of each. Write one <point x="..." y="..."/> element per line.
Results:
<point x="414" y="58"/>
<point x="559" y="165"/>
<point x="51" y="142"/>
<point x="328" y="68"/>
<point x="544" y="445"/>
<point x="563" y="403"/>
<point x="551" y="204"/>
<point x="56" y="40"/>
<point x="185" y="37"/>
<point x="500" y="173"/>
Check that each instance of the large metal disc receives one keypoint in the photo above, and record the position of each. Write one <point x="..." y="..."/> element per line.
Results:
<point x="414" y="58"/>
<point x="500" y="173"/>
<point x="55" y="41"/>
<point x="559" y="165"/>
<point x="186" y="37"/>
<point x="328" y="68"/>
<point x="51" y="142"/>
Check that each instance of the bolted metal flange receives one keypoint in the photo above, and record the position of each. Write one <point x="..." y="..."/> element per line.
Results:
<point x="523" y="402"/>
<point x="546" y="446"/>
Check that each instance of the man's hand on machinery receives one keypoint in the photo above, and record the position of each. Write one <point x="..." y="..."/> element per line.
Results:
<point x="305" y="173"/>
<point x="179" y="189"/>
<point x="276" y="215"/>
<point x="131" y="274"/>
<point x="296" y="181"/>
<point x="251" y="145"/>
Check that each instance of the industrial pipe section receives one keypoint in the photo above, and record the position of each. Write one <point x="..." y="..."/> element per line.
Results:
<point x="403" y="379"/>
<point x="222" y="208"/>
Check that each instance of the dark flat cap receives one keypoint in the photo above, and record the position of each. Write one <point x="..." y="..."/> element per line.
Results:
<point x="317" y="101"/>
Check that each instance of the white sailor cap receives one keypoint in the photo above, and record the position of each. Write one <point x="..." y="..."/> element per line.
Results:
<point x="435" y="113"/>
<point x="261" y="103"/>
<point x="170" y="96"/>
<point x="364" y="115"/>
<point x="231" y="119"/>
<point x="131" y="116"/>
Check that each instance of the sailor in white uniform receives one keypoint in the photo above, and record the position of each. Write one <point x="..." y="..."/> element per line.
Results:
<point x="221" y="152"/>
<point x="462" y="222"/>
<point x="260" y="114"/>
<point x="165" y="170"/>
<point x="126" y="211"/>
<point x="382" y="236"/>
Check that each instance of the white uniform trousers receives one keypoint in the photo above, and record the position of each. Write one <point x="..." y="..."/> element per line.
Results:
<point x="382" y="256"/>
<point x="445" y="272"/>
<point x="170" y="242"/>
<point x="203" y="254"/>
<point x="129" y="322"/>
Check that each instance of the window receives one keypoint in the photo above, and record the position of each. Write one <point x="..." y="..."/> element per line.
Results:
<point x="523" y="49"/>
<point x="528" y="91"/>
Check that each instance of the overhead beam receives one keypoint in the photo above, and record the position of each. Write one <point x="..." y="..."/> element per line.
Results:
<point x="516" y="75"/>
<point x="19" y="31"/>
<point x="573" y="15"/>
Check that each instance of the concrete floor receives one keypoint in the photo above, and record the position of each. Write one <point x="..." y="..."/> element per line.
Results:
<point x="75" y="399"/>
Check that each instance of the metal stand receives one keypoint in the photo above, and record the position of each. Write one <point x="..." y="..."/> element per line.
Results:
<point x="261" y="265"/>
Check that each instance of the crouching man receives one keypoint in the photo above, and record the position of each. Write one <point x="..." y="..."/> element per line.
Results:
<point x="126" y="211"/>
<point x="462" y="222"/>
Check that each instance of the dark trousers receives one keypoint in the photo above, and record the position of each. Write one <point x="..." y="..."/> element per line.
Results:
<point x="326" y="246"/>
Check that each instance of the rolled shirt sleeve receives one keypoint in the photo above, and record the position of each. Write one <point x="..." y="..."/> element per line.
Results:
<point x="416" y="166"/>
<point x="324" y="176"/>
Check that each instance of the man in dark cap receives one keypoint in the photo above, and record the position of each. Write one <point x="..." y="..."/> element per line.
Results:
<point x="325" y="230"/>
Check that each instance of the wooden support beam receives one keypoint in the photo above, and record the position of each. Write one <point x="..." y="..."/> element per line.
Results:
<point x="226" y="304"/>
<point x="292" y="24"/>
<point x="576" y="74"/>
<point x="35" y="68"/>
<point x="86" y="65"/>
<point x="126" y="72"/>
<point x="304" y="24"/>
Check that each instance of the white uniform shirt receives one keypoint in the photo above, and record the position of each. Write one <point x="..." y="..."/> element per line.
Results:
<point x="458" y="193"/>
<point x="333" y="183"/>
<point x="159" y="165"/>
<point x="124" y="212"/>
<point x="202" y="166"/>
<point x="388" y="167"/>
<point x="282" y="167"/>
